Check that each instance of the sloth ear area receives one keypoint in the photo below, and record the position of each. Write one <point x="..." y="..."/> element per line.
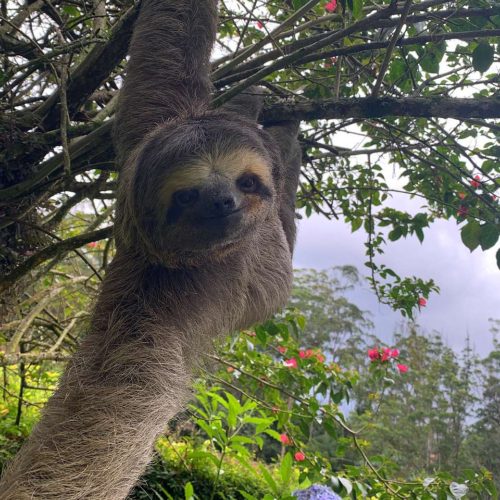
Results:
<point x="248" y="104"/>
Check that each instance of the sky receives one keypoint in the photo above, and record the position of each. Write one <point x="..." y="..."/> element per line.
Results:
<point x="469" y="282"/>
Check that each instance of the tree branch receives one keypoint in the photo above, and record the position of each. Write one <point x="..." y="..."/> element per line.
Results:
<point x="52" y="251"/>
<point x="92" y="71"/>
<point x="368" y="107"/>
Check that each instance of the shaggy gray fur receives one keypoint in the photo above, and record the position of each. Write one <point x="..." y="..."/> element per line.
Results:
<point x="162" y="302"/>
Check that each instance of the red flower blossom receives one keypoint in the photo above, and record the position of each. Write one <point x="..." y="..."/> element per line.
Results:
<point x="476" y="182"/>
<point x="230" y="369"/>
<point x="259" y="24"/>
<point x="462" y="211"/>
<point x="386" y="354"/>
<point x="374" y="354"/>
<point x="320" y="357"/>
<point x="285" y="439"/>
<point x="290" y="363"/>
<point x="302" y="354"/>
<point x="395" y="353"/>
<point x="461" y="195"/>
<point x="282" y="349"/>
<point x="402" y="368"/>
<point x="299" y="456"/>
<point x="92" y="244"/>
<point x="422" y="302"/>
<point x="331" y="5"/>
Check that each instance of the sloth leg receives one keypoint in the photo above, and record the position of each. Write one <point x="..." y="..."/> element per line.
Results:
<point x="285" y="136"/>
<point x="249" y="103"/>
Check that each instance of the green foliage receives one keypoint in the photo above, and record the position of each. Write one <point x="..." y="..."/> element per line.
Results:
<point x="272" y="413"/>
<point x="265" y="409"/>
<point x="180" y="471"/>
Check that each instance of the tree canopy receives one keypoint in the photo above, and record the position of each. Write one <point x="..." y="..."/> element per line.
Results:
<point x="406" y="85"/>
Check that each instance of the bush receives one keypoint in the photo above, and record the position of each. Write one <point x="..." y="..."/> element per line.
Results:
<point x="173" y="469"/>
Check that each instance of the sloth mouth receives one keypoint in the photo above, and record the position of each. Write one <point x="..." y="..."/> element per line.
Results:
<point x="222" y="216"/>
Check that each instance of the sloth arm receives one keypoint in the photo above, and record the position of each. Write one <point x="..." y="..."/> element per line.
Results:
<point x="168" y="71"/>
<point x="285" y="137"/>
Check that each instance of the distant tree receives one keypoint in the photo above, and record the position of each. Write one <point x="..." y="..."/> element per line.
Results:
<point x="420" y="420"/>
<point x="484" y="438"/>
<point x="333" y="322"/>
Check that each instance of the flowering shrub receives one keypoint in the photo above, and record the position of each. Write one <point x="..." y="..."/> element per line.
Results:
<point x="259" y="409"/>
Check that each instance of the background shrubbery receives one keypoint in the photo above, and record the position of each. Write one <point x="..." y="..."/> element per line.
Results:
<point x="284" y="406"/>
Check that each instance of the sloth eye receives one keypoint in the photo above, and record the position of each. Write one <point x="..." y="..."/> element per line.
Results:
<point x="186" y="197"/>
<point x="248" y="183"/>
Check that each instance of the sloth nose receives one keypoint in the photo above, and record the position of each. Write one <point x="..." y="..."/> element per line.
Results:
<point x="223" y="205"/>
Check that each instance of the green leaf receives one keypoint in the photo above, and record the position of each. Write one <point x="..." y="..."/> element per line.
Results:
<point x="188" y="491"/>
<point x="357" y="9"/>
<point x="297" y="4"/>
<point x="246" y="496"/>
<point x="286" y="468"/>
<point x="396" y="233"/>
<point x="204" y="455"/>
<point x="261" y="335"/>
<point x="72" y="11"/>
<point x="482" y="57"/>
<point x="470" y="235"/>
<point x="488" y="235"/>
<point x="269" y="479"/>
<point x="433" y="53"/>
<point x="356" y="224"/>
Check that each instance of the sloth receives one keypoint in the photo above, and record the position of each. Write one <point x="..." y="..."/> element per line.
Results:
<point x="204" y="234"/>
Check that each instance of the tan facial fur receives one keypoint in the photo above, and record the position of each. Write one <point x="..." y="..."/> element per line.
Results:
<point x="231" y="165"/>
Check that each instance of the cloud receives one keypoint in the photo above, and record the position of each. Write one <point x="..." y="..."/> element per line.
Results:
<point x="469" y="282"/>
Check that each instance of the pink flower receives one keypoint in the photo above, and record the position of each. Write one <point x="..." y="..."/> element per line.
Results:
<point x="320" y="357"/>
<point x="282" y="349"/>
<point x="422" y="302"/>
<point x="395" y="353"/>
<point x="285" y="439"/>
<point x="259" y="25"/>
<point x="386" y="354"/>
<point x="374" y="354"/>
<point x="302" y="354"/>
<point x="299" y="456"/>
<point x="331" y="5"/>
<point x="290" y="363"/>
<point x="230" y="369"/>
<point x="92" y="244"/>
<point x="402" y="368"/>
<point x="476" y="182"/>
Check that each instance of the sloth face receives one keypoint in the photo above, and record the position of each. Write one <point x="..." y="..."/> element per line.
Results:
<point x="216" y="200"/>
<point x="200" y="190"/>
